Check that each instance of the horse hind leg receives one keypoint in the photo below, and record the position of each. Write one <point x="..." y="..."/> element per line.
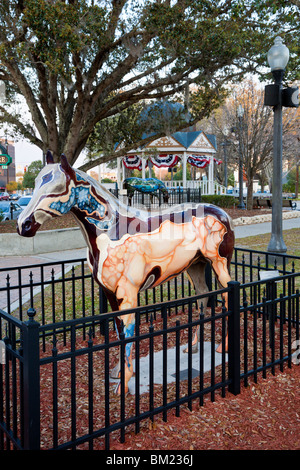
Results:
<point x="124" y="325"/>
<point x="128" y="321"/>
<point x="196" y="274"/>
<point x="115" y="372"/>
<point x="221" y="270"/>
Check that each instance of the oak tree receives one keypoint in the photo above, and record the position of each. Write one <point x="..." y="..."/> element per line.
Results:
<point x="70" y="64"/>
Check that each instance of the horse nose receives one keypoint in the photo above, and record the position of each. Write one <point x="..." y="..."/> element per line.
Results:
<point x="28" y="227"/>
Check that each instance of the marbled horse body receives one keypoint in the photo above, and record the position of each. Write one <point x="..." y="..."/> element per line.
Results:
<point x="130" y="249"/>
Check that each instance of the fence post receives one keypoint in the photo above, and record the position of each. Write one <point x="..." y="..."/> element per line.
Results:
<point x="31" y="382"/>
<point x="234" y="337"/>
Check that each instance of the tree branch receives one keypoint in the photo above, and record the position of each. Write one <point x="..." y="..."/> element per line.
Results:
<point x="25" y="131"/>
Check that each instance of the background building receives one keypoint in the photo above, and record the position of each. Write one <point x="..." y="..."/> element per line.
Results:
<point x="10" y="173"/>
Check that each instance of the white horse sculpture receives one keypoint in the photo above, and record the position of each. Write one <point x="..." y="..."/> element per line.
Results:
<point x="130" y="249"/>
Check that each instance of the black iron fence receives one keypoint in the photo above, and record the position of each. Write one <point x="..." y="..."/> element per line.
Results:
<point x="65" y="290"/>
<point x="177" y="195"/>
<point x="56" y="350"/>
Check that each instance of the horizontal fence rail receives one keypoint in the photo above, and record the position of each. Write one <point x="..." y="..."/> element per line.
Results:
<point x="58" y="346"/>
<point x="177" y="195"/>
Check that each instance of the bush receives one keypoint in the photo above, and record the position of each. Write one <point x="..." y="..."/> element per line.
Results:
<point x="107" y="180"/>
<point x="220" y="200"/>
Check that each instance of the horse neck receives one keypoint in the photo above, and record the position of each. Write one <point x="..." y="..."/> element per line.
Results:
<point x="94" y="209"/>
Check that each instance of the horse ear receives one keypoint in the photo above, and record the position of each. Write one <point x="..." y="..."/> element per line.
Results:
<point x="66" y="165"/>
<point x="49" y="158"/>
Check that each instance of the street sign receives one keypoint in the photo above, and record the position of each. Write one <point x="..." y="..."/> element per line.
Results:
<point x="5" y="159"/>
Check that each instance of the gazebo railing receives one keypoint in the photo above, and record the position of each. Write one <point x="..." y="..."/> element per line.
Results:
<point x="206" y="187"/>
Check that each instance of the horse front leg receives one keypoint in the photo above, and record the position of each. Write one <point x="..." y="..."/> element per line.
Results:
<point x="115" y="372"/>
<point x="220" y="268"/>
<point x="196" y="275"/>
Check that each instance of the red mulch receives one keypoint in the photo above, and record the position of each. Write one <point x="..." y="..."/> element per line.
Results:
<point x="266" y="414"/>
<point x="67" y="221"/>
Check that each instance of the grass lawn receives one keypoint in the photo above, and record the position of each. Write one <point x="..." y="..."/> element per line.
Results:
<point x="260" y="242"/>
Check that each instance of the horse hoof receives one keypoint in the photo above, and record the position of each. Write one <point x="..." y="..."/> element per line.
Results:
<point x="115" y="373"/>
<point x="118" y="390"/>
<point x="194" y="349"/>
<point x="220" y="349"/>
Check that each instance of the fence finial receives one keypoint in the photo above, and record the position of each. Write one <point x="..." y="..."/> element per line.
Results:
<point x="31" y="312"/>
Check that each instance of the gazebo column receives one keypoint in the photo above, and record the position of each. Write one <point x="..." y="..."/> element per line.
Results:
<point x="211" y="175"/>
<point x="143" y="167"/>
<point x="184" y="170"/>
<point x="119" y="163"/>
<point x="123" y="171"/>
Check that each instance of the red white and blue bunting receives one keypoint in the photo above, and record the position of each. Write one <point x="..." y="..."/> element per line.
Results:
<point x="133" y="162"/>
<point x="164" y="160"/>
<point x="199" y="162"/>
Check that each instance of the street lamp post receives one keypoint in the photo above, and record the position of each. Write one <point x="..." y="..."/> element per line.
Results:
<point x="278" y="57"/>
<point x="7" y="174"/>
<point x="225" y="144"/>
<point x="240" y="113"/>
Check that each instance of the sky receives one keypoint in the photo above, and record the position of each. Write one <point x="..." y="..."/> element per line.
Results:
<point x="26" y="153"/>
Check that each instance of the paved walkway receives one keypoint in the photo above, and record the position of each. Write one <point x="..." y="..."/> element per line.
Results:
<point x="22" y="277"/>
<point x="242" y="231"/>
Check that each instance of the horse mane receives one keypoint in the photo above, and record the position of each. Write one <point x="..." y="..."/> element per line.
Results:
<point x="119" y="207"/>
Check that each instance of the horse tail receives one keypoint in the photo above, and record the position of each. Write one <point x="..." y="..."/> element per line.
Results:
<point x="226" y="246"/>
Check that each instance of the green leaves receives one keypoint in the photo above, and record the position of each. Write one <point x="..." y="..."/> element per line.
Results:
<point x="32" y="172"/>
<point x="59" y="29"/>
<point x="77" y="63"/>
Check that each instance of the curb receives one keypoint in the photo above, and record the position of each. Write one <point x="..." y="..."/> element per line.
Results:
<point x="258" y="219"/>
<point x="46" y="241"/>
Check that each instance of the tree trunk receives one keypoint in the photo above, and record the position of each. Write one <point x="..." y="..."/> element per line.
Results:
<point x="297" y="180"/>
<point x="250" y="194"/>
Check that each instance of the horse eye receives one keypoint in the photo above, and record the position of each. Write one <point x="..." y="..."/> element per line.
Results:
<point x="46" y="178"/>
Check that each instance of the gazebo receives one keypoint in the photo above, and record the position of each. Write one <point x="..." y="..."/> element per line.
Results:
<point x="194" y="147"/>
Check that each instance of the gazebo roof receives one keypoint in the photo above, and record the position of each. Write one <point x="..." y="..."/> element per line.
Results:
<point x="194" y="141"/>
<point x="190" y="141"/>
<point x="186" y="138"/>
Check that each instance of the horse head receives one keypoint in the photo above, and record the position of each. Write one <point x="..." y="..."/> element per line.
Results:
<point x="52" y="188"/>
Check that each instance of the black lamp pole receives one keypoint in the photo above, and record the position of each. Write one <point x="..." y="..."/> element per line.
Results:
<point x="278" y="57"/>
<point x="225" y="145"/>
<point x="276" y="244"/>
<point x="240" y="113"/>
<point x="7" y="174"/>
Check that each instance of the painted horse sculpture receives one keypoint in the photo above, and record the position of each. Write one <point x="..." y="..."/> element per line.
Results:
<point x="130" y="249"/>
<point x="151" y="186"/>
